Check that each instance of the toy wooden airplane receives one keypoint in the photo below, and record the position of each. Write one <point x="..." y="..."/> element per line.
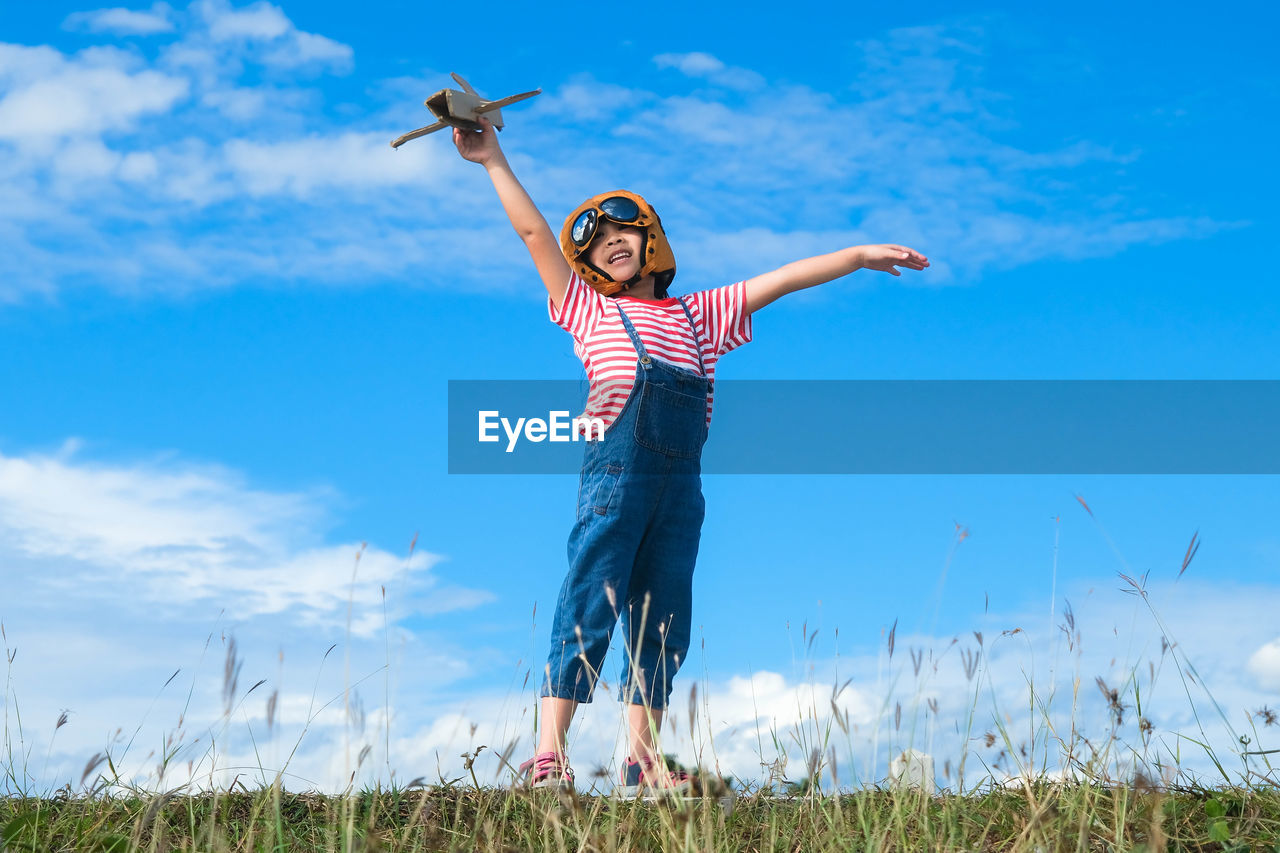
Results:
<point x="462" y="109"/>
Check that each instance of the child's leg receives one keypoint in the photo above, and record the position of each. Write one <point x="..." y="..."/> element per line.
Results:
<point x="643" y="724"/>
<point x="646" y="751"/>
<point x="554" y="725"/>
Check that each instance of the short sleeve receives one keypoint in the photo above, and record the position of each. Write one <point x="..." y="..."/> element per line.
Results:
<point x="725" y="317"/>
<point x="580" y="310"/>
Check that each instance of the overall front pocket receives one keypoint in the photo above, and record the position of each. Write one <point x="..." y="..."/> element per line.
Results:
<point x="671" y="422"/>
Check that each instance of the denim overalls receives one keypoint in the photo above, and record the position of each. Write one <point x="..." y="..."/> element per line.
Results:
<point x="640" y="510"/>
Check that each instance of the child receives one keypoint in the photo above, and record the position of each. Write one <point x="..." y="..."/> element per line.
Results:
<point x="650" y="360"/>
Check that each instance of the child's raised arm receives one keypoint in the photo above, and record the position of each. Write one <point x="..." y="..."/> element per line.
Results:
<point x="819" y="269"/>
<point x="482" y="147"/>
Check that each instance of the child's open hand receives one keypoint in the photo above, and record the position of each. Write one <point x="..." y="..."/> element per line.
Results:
<point x="886" y="257"/>
<point x="479" y="146"/>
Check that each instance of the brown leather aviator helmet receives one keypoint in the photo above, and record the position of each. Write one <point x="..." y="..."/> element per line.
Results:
<point x="626" y="208"/>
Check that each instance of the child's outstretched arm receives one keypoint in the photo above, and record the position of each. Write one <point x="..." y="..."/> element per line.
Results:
<point x="482" y="147"/>
<point x="819" y="269"/>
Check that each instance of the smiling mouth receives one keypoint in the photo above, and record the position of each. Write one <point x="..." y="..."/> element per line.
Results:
<point x="618" y="256"/>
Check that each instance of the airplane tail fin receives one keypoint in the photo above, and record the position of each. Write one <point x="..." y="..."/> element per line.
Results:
<point x="466" y="87"/>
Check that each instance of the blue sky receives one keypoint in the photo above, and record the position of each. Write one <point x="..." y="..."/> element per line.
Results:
<point x="229" y="312"/>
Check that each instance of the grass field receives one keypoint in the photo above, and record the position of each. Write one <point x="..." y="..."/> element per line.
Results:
<point x="1036" y="817"/>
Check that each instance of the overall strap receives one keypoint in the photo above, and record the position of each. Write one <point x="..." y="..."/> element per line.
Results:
<point x="697" y="345"/>
<point x="643" y="354"/>
<point x="645" y="361"/>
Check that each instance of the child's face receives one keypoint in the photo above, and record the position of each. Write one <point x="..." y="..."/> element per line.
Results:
<point x="616" y="250"/>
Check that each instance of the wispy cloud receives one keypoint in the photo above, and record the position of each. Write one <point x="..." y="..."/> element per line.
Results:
<point x="265" y="27"/>
<point x="158" y="19"/>
<point x="706" y="66"/>
<point x="195" y="537"/>
<point x="85" y="94"/>
<point x="105" y="143"/>
<point x="351" y="163"/>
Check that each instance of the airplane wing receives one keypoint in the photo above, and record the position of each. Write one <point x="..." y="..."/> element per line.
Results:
<point x="486" y="106"/>
<point x="414" y="134"/>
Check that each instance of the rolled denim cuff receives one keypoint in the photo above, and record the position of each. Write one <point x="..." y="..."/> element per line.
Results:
<point x="580" y="689"/>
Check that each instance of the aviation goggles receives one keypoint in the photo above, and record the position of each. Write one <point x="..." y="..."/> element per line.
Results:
<point x="618" y="208"/>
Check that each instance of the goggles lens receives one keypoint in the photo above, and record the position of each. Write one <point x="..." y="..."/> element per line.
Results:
<point x="584" y="228"/>
<point x="618" y="208"/>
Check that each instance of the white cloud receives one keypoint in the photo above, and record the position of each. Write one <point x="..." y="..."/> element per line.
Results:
<point x="262" y="21"/>
<point x="308" y="49"/>
<point x="20" y="64"/>
<point x="197" y="535"/>
<point x="123" y="21"/>
<point x="353" y="162"/>
<point x="138" y="166"/>
<point x="706" y="66"/>
<point x="266" y="24"/>
<point x="87" y="93"/>
<point x="242" y="104"/>
<point x="55" y="507"/>
<point x="585" y="99"/>
<point x="911" y="153"/>
<point x="86" y="159"/>
<point x="1264" y="665"/>
<point x="692" y="64"/>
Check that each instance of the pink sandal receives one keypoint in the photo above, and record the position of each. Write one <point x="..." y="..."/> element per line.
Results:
<point x="547" y="770"/>
<point x="648" y="777"/>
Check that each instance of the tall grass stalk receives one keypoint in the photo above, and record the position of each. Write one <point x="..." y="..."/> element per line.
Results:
<point x="1052" y="787"/>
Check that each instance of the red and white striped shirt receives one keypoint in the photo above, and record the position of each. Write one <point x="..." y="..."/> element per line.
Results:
<point x="601" y="341"/>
